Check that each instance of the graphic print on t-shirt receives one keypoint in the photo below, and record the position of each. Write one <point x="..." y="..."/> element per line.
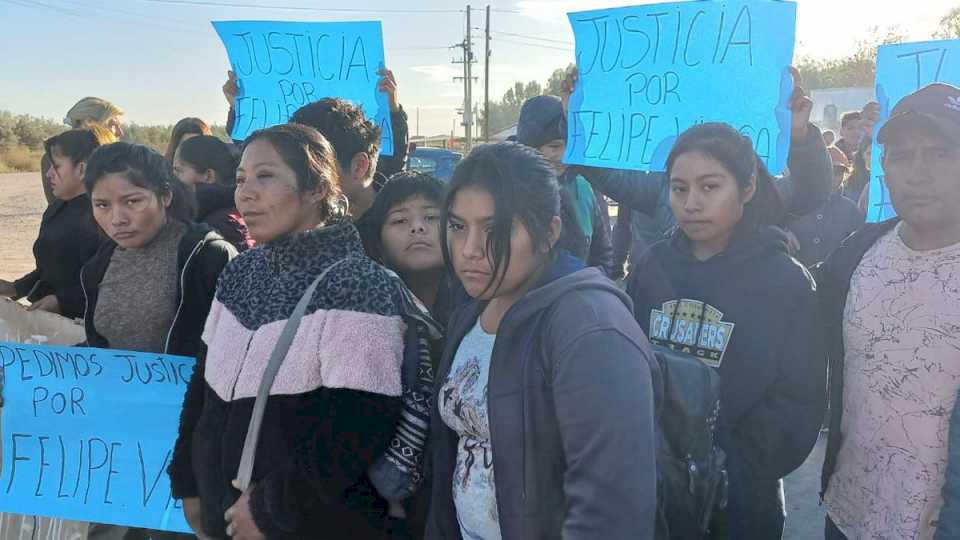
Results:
<point x="463" y="407"/>
<point x="695" y="328"/>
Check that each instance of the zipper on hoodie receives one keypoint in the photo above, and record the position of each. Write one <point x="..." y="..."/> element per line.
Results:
<point x="183" y="295"/>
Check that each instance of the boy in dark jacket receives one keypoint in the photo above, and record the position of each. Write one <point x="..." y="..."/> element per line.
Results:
<point x="820" y="232"/>
<point x="890" y="295"/>
<point x="542" y="126"/>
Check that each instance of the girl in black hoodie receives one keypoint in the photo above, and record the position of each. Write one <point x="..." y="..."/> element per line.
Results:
<point x="208" y="167"/>
<point x="723" y="288"/>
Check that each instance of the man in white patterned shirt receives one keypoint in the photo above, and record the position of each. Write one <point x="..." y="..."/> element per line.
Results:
<point x="892" y="299"/>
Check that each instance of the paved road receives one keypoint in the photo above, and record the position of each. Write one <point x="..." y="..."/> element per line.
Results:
<point x="804" y="514"/>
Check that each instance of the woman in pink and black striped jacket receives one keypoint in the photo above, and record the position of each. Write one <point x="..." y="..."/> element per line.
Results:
<point x="335" y="402"/>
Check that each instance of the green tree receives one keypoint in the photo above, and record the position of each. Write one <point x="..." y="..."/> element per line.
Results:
<point x="857" y="69"/>
<point x="554" y="83"/>
<point x="949" y="25"/>
<point x="504" y="113"/>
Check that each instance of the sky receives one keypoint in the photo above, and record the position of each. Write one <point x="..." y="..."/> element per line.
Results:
<point x="160" y="60"/>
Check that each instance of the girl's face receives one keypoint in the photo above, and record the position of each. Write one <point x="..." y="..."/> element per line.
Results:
<point x="470" y="225"/>
<point x="411" y="236"/>
<point x="189" y="175"/>
<point x="130" y="215"/>
<point x="268" y="196"/>
<point x="706" y="200"/>
<point x="65" y="176"/>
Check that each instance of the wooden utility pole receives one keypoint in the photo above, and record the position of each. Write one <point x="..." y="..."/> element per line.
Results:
<point x="486" y="82"/>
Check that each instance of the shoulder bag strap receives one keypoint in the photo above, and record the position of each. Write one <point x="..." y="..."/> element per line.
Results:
<point x="245" y="471"/>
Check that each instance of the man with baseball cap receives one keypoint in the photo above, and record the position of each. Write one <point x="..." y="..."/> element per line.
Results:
<point x="891" y="294"/>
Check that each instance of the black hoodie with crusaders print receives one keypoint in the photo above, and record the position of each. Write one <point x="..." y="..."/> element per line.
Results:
<point x="751" y="312"/>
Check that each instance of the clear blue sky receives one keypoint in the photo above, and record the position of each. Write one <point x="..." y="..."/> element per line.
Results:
<point x="161" y="60"/>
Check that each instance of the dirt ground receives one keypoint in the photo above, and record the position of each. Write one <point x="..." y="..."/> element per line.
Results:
<point x="21" y="206"/>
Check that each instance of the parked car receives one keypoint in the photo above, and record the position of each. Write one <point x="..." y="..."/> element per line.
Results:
<point x="436" y="161"/>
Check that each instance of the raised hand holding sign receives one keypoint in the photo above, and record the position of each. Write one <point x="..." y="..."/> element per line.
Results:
<point x="281" y="66"/>
<point x="647" y="73"/>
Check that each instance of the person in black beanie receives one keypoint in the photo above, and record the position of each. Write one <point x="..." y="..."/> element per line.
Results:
<point x="542" y="126"/>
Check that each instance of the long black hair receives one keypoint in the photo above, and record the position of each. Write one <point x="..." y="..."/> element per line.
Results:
<point x="145" y="168"/>
<point x="206" y="152"/>
<point x="523" y="186"/>
<point x="400" y="188"/>
<point x="735" y="152"/>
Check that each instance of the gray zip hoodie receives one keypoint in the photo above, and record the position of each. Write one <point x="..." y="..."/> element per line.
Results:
<point x="571" y="409"/>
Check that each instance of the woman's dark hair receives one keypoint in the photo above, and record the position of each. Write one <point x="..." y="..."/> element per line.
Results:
<point x="523" y="186"/>
<point x="206" y="152"/>
<point x="144" y="168"/>
<point x="735" y="152"/>
<point x="400" y="188"/>
<point x="313" y="160"/>
<point x="187" y="126"/>
<point x="76" y="144"/>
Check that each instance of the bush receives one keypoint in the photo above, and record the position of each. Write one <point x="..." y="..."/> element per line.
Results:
<point x="22" y="136"/>
<point x="19" y="159"/>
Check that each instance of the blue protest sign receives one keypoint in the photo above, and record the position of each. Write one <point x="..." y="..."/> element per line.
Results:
<point x="648" y="73"/>
<point x="281" y="66"/>
<point x="903" y="69"/>
<point x="88" y="434"/>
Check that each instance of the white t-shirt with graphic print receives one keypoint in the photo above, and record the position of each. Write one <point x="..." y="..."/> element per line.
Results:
<point x="463" y="407"/>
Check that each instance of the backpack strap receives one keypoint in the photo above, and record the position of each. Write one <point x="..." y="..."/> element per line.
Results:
<point x="245" y="470"/>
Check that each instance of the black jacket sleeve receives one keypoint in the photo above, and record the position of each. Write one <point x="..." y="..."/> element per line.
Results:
<point x="26" y="284"/>
<point x="328" y="465"/>
<point x="781" y="431"/>
<point x="231" y="121"/>
<point x="806" y="186"/>
<point x="390" y="165"/>
<point x="202" y="286"/>
<point x="72" y="301"/>
<point x="183" y="483"/>
<point x="601" y="246"/>
<point x="636" y="189"/>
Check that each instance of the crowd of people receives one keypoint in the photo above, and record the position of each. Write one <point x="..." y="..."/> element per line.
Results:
<point x="381" y="355"/>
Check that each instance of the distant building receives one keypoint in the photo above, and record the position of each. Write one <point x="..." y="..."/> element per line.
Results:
<point x="829" y="104"/>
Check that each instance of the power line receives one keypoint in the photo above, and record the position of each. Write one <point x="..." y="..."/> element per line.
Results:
<point x="144" y="20"/>
<point x="437" y="48"/>
<point x="85" y="14"/>
<point x="524" y="36"/>
<point x="34" y="4"/>
<point x="149" y="18"/>
<point x="205" y="3"/>
<point x="567" y="49"/>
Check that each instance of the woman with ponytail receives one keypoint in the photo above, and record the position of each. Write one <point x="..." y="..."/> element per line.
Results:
<point x="723" y="288"/>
